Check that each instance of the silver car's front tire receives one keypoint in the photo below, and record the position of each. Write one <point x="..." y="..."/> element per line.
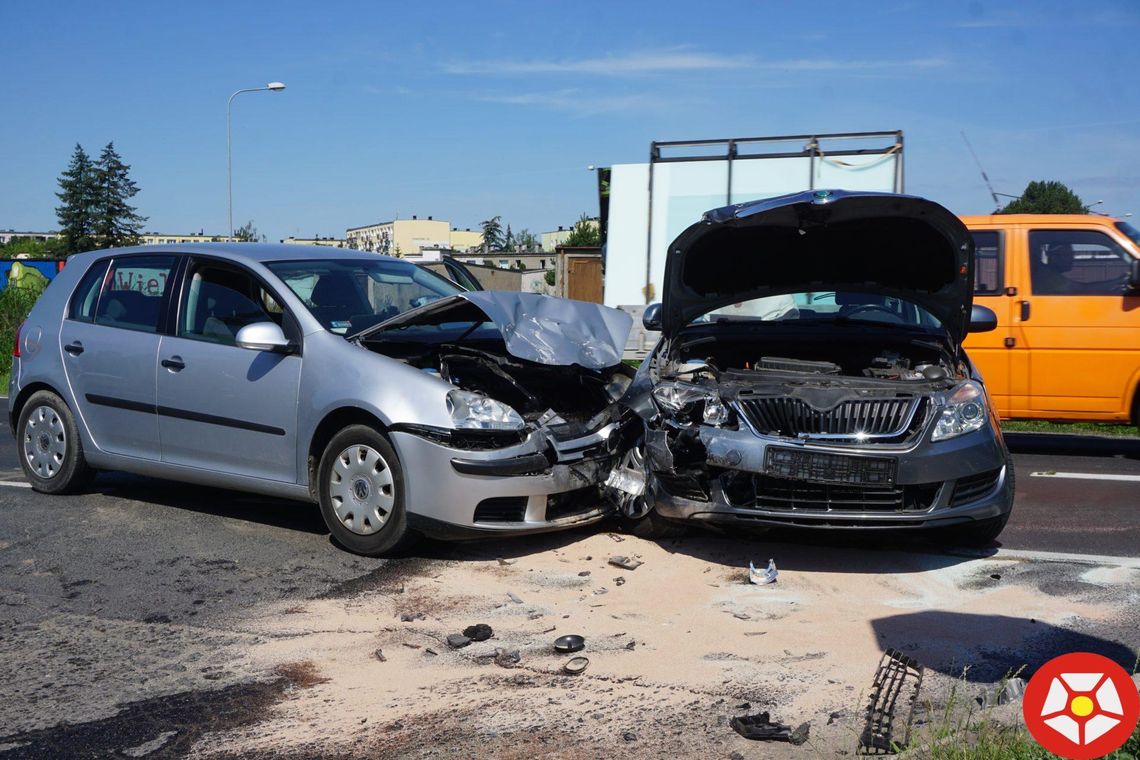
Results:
<point x="361" y="491"/>
<point x="51" y="453"/>
<point x="637" y="514"/>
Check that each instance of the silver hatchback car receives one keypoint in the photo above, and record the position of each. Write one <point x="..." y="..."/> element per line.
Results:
<point x="398" y="402"/>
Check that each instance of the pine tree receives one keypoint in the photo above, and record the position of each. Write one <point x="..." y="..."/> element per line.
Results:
<point x="115" y="221"/>
<point x="77" y="194"/>
<point x="509" y="240"/>
<point x="492" y="234"/>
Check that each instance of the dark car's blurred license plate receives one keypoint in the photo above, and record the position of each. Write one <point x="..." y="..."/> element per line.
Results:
<point x="821" y="467"/>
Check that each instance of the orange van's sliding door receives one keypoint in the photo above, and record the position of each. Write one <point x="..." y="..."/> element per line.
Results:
<point x="1082" y="333"/>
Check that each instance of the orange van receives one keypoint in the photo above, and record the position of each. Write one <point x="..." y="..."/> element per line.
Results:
<point x="1066" y="290"/>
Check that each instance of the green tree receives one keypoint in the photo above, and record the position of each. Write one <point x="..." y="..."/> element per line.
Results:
<point x="77" y="197"/>
<point x="526" y="241"/>
<point x="33" y="248"/>
<point x="509" y="240"/>
<point x="549" y="276"/>
<point x="585" y="233"/>
<point x="247" y="233"/>
<point x="492" y="234"/>
<point x="116" y="222"/>
<point x="1046" y="197"/>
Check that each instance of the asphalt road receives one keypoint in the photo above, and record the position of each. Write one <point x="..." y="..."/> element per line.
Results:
<point x="141" y="576"/>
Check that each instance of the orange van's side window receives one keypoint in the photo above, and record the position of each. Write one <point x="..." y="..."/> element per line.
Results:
<point x="988" y="274"/>
<point x="1077" y="262"/>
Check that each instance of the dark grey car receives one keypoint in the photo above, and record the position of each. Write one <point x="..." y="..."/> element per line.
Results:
<point x="811" y="373"/>
<point x="379" y="390"/>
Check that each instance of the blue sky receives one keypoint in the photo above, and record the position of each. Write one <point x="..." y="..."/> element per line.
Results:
<point x="466" y="110"/>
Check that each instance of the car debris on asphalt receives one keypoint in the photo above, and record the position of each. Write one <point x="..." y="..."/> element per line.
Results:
<point x="760" y="727"/>
<point x="897" y="673"/>
<point x="625" y="563"/>
<point x="762" y="577"/>
<point x="576" y="665"/>
<point x="457" y="641"/>
<point x="478" y="632"/>
<point x="571" y="642"/>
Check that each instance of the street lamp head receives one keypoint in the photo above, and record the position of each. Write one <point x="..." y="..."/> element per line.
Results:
<point x="275" y="86"/>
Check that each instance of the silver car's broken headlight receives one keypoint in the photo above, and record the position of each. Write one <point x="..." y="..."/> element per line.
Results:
<point x="963" y="411"/>
<point x="474" y="411"/>
<point x="690" y="403"/>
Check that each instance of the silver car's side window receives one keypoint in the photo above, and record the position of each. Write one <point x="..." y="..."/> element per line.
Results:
<point x="132" y="293"/>
<point x="86" y="297"/>
<point x="220" y="300"/>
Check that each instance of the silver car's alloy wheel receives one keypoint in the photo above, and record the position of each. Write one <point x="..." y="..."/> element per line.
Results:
<point x="361" y="489"/>
<point x="45" y="442"/>
<point x="634" y="507"/>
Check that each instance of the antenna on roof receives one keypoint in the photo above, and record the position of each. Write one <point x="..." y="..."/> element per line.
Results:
<point x="997" y="203"/>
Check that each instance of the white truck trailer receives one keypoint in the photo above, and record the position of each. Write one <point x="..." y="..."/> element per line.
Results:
<point x="645" y="206"/>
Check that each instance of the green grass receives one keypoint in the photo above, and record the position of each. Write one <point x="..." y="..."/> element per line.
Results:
<point x="961" y="730"/>
<point x="1070" y="428"/>
<point x="986" y="739"/>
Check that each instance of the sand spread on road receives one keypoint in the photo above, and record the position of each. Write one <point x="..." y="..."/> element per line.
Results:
<point x="675" y="646"/>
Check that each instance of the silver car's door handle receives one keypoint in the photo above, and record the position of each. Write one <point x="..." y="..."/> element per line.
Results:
<point x="75" y="348"/>
<point x="174" y="363"/>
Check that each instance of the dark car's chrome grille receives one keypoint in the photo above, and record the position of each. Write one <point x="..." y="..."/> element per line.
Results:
<point x="857" y="419"/>
<point x="974" y="487"/>
<point x="799" y="496"/>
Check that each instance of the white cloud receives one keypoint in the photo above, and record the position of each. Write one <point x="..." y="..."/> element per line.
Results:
<point x="633" y="63"/>
<point x="834" y="64"/>
<point x="578" y="102"/>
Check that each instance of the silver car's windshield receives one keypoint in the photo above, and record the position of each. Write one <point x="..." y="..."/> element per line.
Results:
<point x="349" y="295"/>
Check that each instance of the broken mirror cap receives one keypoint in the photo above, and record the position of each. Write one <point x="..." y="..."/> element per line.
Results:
<point x="537" y="328"/>
<point x="893" y="245"/>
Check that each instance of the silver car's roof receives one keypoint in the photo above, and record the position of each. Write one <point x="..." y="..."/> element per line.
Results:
<point x="248" y="252"/>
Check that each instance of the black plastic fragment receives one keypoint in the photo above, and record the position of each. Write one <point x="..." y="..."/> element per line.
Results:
<point x="895" y="689"/>
<point x="478" y="632"/>
<point x="759" y="728"/>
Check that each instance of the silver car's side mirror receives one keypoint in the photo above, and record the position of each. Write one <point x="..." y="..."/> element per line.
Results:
<point x="263" y="336"/>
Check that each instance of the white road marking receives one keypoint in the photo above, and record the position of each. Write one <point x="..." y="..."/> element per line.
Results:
<point x="1085" y="476"/>
<point x="15" y="484"/>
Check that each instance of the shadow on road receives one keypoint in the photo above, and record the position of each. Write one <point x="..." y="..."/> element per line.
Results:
<point x="810" y="551"/>
<point x="278" y="513"/>
<point x="948" y="642"/>
<point x="1062" y="445"/>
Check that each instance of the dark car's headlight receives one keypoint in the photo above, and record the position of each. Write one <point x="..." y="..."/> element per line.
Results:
<point x="688" y="404"/>
<point x="474" y="411"/>
<point x="963" y="411"/>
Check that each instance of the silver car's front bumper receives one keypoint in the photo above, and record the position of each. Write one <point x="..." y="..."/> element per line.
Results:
<point x="960" y="480"/>
<point x="542" y="484"/>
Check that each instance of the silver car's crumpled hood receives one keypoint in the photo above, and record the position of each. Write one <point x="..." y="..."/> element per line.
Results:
<point x="537" y="328"/>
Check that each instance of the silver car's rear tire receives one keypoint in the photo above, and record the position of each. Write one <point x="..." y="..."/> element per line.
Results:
<point x="51" y="453"/>
<point x="361" y="490"/>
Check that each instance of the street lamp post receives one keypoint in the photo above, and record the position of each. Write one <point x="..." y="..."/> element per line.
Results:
<point x="271" y="87"/>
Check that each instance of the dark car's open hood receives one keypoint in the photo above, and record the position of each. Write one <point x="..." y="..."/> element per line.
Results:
<point x="538" y="328"/>
<point x="896" y="245"/>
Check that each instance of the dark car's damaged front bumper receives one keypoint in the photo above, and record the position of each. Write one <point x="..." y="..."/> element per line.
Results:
<point x="738" y="476"/>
